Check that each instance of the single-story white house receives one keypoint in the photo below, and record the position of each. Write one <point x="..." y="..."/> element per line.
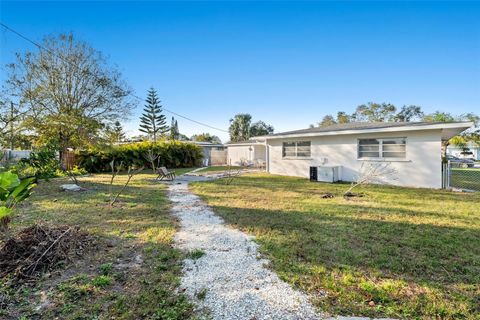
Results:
<point x="412" y="149"/>
<point x="472" y="151"/>
<point x="246" y="152"/>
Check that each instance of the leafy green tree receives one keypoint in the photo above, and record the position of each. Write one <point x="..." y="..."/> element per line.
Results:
<point x="240" y="127"/>
<point x="70" y="90"/>
<point x="152" y="121"/>
<point x="118" y="132"/>
<point x="174" y="131"/>
<point x="11" y="122"/>
<point x="327" y="120"/>
<point x="439" y="116"/>
<point x="375" y="112"/>
<point x="183" y="137"/>
<point x="460" y="140"/>
<point x="260" y="128"/>
<point x="343" y="117"/>
<point x="206" y="137"/>
<point x="470" y="117"/>
<point x="115" y="134"/>
<point x="409" y="113"/>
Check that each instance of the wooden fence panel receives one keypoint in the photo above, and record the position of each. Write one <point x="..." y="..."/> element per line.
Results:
<point x="68" y="159"/>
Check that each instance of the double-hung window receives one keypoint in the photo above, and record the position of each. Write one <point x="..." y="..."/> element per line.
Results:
<point x="386" y="148"/>
<point x="296" y="149"/>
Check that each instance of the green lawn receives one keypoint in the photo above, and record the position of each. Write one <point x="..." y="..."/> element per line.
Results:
<point x="109" y="281"/>
<point x="218" y="168"/>
<point x="465" y="178"/>
<point x="397" y="252"/>
<point x="181" y="171"/>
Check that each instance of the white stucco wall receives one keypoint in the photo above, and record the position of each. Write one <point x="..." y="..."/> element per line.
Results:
<point x="260" y="152"/>
<point x="235" y="154"/>
<point x="421" y="168"/>
<point x="252" y="152"/>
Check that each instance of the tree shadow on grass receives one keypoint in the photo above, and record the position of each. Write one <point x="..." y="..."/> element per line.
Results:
<point x="415" y="252"/>
<point x="319" y="252"/>
<point x="277" y="183"/>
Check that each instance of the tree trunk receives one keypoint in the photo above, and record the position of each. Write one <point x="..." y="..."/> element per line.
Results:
<point x="445" y="144"/>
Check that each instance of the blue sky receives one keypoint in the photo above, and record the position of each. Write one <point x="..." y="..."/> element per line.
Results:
<point x="287" y="63"/>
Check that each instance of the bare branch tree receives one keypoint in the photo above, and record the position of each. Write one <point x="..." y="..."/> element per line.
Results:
<point x="131" y="172"/>
<point x="115" y="171"/>
<point x="70" y="90"/>
<point x="372" y="172"/>
<point x="231" y="174"/>
<point x="151" y="156"/>
<point x="69" y="173"/>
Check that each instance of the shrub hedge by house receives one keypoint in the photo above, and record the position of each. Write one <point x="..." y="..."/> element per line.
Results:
<point x="171" y="154"/>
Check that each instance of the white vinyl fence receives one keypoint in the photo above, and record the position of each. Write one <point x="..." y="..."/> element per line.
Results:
<point x="14" y="155"/>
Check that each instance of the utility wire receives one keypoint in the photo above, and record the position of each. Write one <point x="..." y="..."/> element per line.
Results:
<point x="39" y="46"/>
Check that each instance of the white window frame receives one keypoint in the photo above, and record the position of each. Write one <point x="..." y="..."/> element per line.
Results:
<point x="296" y="156"/>
<point x="380" y="150"/>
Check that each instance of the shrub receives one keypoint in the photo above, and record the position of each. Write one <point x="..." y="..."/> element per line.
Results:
<point x="43" y="161"/>
<point x="12" y="191"/>
<point x="172" y="154"/>
<point x="21" y="168"/>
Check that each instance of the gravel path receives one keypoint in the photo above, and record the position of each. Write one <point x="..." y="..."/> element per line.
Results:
<point x="231" y="276"/>
<point x="230" y="281"/>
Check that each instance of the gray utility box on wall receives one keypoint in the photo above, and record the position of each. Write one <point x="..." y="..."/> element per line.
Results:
<point x="325" y="173"/>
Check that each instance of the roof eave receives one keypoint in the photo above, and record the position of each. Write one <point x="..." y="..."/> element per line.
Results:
<point x="457" y="127"/>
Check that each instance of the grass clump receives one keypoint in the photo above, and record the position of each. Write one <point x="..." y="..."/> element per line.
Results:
<point x="196" y="254"/>
<point x="102" y="281"/>
<point x="106" y="268"/>
<point x="202" y="294"/>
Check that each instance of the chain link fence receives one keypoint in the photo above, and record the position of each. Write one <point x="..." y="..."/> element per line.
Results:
<point x="461" y="176"/>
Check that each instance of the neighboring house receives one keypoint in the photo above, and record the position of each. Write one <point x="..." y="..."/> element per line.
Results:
<point x="213" y="153"/>
<point x="250" y="152"/>
<point x="413" y="149"/>
<point x="473" y="151"/>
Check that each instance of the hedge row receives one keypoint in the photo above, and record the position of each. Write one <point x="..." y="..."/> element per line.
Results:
<point x="171" y="154"/>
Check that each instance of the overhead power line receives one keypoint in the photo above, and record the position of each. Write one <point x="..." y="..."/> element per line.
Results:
<point x="39" y="46"/>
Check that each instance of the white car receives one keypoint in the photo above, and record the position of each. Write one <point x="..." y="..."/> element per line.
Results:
<point x="464" y="163"/>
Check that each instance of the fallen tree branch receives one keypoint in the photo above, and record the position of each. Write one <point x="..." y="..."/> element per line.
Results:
<point x="371" y="173"/>
<point x="48" y="249"/>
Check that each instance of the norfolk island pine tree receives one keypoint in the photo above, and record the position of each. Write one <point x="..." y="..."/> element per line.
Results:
<point x="152" y="121"/>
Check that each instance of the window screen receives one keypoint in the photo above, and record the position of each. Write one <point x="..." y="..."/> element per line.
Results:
<point x="297" y="149"/>
<point x="382" y="148"/>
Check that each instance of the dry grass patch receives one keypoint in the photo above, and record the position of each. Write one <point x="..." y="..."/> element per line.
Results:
<point x="132" y="272"/>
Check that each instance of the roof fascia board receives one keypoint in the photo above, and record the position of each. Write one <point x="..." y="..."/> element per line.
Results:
<point x="463" y="125"/>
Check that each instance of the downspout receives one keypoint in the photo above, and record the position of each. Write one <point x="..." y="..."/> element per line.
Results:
<point x="267" y="157"/>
